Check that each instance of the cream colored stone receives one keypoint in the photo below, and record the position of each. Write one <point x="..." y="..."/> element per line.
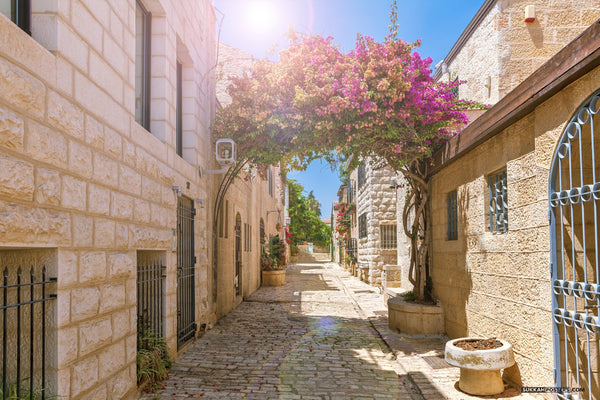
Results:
<point x="112" y="359"/>
<point x="21" y="225"/>
<point x="74" y="193"/>
<point x="92" y="266"/>
<point x="63" y="308"/>
<point x="94" y="335"/>
<point x="68" y="343"/>
<point x="151" y="190"/>
<point x="129" y="180"/>
<point x="122" y="236"/>
<point x="104" y="233"/>
<point x="71" y="46"/>
<point x="21" y="89"/>
<point x="122" y="206"/>
<point x="84" y="376"/>
<point x="65" y="115"/>
<point x="80" y="159"/>
<point x="68" y="265"/>
<point x="144" y="237"/>
<point x="83" y="229"/>
<point x="106" y="171"/>
<point x="120" y="385"/>
<point x="84" y="303"/>
<point x="88" y="29"/>
<point x="121" y="265"/>
<point x="11" y="130"/>
<point x="141" y="211"/>
<point x="17" y="179"/>
<point x="94" y="133"/>
<point x="99" y="200"/>
<point x="112" y="297"/>
<point x="120" y="323"/>
<point x="45" y="145"/>
<point x="113" y="143"/>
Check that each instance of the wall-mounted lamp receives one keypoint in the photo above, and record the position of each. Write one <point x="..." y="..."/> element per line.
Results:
<point x="444" y="68"/>
<point x="200" y="202"/>
<point x="394" y="184"/>
<point x="177" y="189"/>
<point x="225" y="154"/>
<point x="488" y="82"/>
<point x="529" y="13"/>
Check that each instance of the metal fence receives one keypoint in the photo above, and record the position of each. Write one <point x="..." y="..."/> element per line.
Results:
<point x="186" y="261"/>
<point x="25" y="319"/>
<point x="150" y="289"/>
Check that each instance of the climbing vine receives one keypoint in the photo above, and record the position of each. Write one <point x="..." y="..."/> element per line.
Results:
<point x="378" y="101"/>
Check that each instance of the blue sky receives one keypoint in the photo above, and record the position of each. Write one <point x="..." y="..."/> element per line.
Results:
<point x="256" y="25"/>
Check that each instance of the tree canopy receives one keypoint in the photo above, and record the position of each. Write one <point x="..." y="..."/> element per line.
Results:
<point x="305" y="215"/>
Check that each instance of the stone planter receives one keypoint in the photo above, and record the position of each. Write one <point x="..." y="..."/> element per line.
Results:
<point x="414" y="318"/>
<point x="273" y="278"/>
<point x="480" y="369"/>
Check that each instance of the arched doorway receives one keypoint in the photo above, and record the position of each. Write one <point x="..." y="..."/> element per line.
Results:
<point x="574" y="196"/>
<point x="238" y="254"/>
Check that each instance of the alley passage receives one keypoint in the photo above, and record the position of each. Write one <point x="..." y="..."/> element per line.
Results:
<point x="310" y="339"/>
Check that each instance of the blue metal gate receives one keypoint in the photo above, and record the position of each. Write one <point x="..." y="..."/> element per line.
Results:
<point x="574" y="193"/>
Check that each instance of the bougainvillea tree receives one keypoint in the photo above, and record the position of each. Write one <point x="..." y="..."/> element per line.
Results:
<point x="377" y="102"/>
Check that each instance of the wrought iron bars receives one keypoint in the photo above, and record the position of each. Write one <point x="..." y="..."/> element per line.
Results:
<point x="150" y="288"/>
<point x="24" y="344"/>
<point x="498" y="202"/>
<point x="186" y="261"/>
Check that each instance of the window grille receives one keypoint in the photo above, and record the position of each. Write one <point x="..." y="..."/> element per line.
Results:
<point x="362" y="225"/>
<point x="498" y="202"/>
<point x="142" y="65"/>
<point x="151" y="275"/>
<point x="452" y="207"/>
<point x="18" y="11"/>
<point x="351" y="248"/>
<point x="350" y="192"/>
<point x="388" y="235"/>
<point x="263" y="237"/>
<point x="362" y="176"/>
<point x="454" y="90"/>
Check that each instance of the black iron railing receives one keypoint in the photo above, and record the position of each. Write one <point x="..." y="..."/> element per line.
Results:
<point x="150" y="288"/>
<point x="186" y="261"/>
<point x="25" y="319"/>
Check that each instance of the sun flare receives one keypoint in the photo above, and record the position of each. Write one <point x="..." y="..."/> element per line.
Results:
<point x="261" y="15"/>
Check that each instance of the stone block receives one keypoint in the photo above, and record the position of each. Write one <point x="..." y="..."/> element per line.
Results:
<point x="99" y="200"/>
<point x="65" y="115"/>
<point x="17" y="179"/>
<point x="112" y="297"/>
<point x="63" y="308"/>
<point x="121" y="265"/>
<point x="114" y="55"/>
<point x="87" y="27"/>
<point x="80" y="159"/>
<point x="22" y="89"/>
<point x="74" y="193"/>
<point x="129" y="180"/>
<point x="67" y="344"/>
<point x="129" y="153"/>
<point x="113" y="143"/>
<point x="46" y="145"/>
<point x="11" y="130"/>
<point x="122" y="235"/>
<point x="141" y="211"/>
<point x="150" y="238"/>
<point x="94" y="133"/>
<point x="20" y="224"/>
<point x="112" y="359"/>
<point x="84" y="302"/>
<point x="83" y="230"/>
<point x="71" y="46"/>
<point x="122" y="206"/>
<point x="104" y="233"/>
<point x="106" y="171"/>
<point x="95" y="334"/>
<point x="106" y="77"/>
<point x="84" y="375"/>
<point x="67" y="268"/>
<point x="120" y="323"/>
<point x="92" y="266"/>
<point x="122" y="383"/>
<point x="151" y="190"/>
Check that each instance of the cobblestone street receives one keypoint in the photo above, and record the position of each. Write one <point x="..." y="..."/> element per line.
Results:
<point x="321" y="336"/>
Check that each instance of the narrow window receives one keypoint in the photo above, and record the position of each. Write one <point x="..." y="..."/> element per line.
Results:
<point x="362" y="226"/>
<point x="263" y="237"/>
<point x="270" y="182"/>
<point x="451" y="205"/>
<point x="498" y="202"/>
<point x="18" y="11"/>
<point x="226" y="233"/>
<point x="362" y="176"/>
<point x="387" y="235"/>
<point x="179" y="112"/>
<point x="454" y="90"/>
<point x="142" y="65"/>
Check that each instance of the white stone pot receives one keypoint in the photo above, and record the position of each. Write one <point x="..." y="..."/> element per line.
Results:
<point x="480" y="369"/>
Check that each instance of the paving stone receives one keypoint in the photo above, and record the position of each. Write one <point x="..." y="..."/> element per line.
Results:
<point x="323" y="335"/>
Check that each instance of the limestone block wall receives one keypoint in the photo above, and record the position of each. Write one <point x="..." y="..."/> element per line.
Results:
<point x="249" y="197"/>
<point x="378" y="202"/>
<point x="499" y="284"/>
<point x="82" y="177"/>
<point x="507" y="49"/>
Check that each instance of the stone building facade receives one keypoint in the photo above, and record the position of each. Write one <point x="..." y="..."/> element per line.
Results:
<point x="496" y="272"/>
<point x="105" y="114"/>
<point x="376" y="220"/>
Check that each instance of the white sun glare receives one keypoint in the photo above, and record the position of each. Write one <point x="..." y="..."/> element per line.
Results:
<point x="261" y="15"/>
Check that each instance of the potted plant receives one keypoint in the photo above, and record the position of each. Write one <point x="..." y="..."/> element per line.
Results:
<point x="272" y="261"/>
